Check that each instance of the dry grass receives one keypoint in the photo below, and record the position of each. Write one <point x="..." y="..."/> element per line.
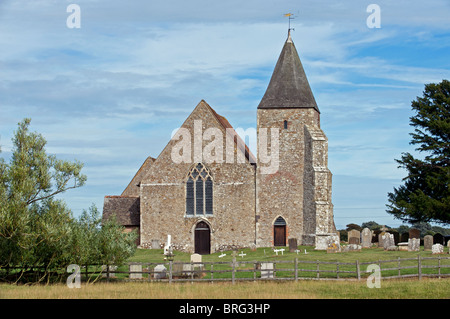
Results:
<point x="390" y="289"/>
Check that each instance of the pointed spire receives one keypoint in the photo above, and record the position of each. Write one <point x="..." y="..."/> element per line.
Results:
<point x="288" y="87"/>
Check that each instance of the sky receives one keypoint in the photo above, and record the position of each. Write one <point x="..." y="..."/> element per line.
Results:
<point x="110" y="93"/>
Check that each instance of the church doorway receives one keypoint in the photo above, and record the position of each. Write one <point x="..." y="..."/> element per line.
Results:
<point x="279" y="232"/>
<point x="202" y="239"/>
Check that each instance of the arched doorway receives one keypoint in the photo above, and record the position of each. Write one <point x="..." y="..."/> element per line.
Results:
<point x="202" y="238"/>
<point x="279" y="232"/>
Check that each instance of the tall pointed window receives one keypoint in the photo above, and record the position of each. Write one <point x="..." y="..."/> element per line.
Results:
<point x="199" y="191"/>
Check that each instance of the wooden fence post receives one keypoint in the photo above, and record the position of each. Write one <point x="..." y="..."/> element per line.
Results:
<point x="318" y="273"/>
<point x="296" y="269"/>
<point x="170" y="271"/>
<point x="358" y="270"/>
<point x="419" y="266"/>
<point x="233" y="270"/>
<point x="337" y="270"/>
<point x="399" y="271"/>
<point x="439" y="267"/>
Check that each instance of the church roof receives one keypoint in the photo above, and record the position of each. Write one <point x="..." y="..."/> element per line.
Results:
<point x="133" y="187"/>
<point x="125" y="208"/>
<point x="288" y="87"/>
<point x="236" y="138"/>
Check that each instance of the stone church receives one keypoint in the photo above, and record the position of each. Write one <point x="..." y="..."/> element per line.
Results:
<point x="210" y="201"/>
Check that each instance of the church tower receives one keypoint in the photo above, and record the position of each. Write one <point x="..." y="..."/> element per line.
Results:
<point x="293" y="183"/>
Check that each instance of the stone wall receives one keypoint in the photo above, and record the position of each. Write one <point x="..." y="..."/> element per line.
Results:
<point x="302" y="185"/>
<point x="163" y="197"/>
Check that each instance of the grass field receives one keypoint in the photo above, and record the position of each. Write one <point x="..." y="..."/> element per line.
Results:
<point x="305" y="289"/>
<point x="427" y="288"/>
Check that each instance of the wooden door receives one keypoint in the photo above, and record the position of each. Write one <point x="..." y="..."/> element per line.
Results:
<point x="202" y="239"/>
<point x="279" y="235"/>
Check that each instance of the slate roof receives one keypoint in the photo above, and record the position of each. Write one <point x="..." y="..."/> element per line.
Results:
<point x="288" y="87"/>
<point x="125" y="208"/>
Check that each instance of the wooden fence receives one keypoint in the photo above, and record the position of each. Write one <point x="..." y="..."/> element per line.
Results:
<point x="296" y="269"/>
<point x="241" y="270"/>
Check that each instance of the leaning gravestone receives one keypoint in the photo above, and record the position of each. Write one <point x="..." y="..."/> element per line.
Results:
<point x="414" y="233"/>
<point x="414" y="244"/>
<point x="427" y="242"/>
<point x="366" y="238"/>
<point x="437" y="249"/>
<point x="354" y="237"/>
<point x="292" y="245"/>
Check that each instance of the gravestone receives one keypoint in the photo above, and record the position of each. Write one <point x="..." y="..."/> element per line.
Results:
<point x="196" y="258"/>
<point x="437" y="249"/>
<point x="366" y="238"/>
<point x="381" y="239"/>
<point x="135" y="267"/>
<point x="112" y="271"/>
<point x="414" y="233"/>
<point x="354" y="237"/>
<point x="155" y="244"/>
<point x="351" y="247"/>
<point x="266" y="270"/>
<point x="388" y="241"/>
<point x="438" y="239"/>
<point x="292" y="245"/>
<point x="159" y="272"/>
<point x="414" y="244"/>
<point x="427" y="242"/>
<point x="403" y="246"/>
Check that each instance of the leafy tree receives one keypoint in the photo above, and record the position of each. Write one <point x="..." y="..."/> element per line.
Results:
<point x="371" y="225"/>
<point x="38" y="230"/>
<point x="32" y="222"/>
<point x="353" y="226"/>
<point x="425" y="194"/>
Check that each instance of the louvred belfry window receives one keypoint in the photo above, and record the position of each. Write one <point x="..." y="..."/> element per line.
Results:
<point x="199" y="191"/>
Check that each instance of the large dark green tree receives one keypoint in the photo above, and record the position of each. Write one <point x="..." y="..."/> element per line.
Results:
<point x="425" y="194"/>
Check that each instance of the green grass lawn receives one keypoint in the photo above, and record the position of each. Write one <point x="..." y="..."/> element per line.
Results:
<point x="246" y="265"/>
<point x="432" y="288"/>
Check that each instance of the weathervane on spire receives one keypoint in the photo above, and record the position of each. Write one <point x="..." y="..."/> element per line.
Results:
<point x="290" y="17"/>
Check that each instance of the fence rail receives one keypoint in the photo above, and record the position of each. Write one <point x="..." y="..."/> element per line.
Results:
<point x="297" y="269"/>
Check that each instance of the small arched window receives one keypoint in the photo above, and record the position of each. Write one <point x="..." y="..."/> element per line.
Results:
<point x="199" y="191"/>
<point x="285" y="124"/>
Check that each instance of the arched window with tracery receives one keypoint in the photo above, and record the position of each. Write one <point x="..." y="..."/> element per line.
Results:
<point x="199" y="191"/>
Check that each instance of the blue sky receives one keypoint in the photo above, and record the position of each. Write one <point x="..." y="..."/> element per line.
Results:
<point x="110" y="93"/>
